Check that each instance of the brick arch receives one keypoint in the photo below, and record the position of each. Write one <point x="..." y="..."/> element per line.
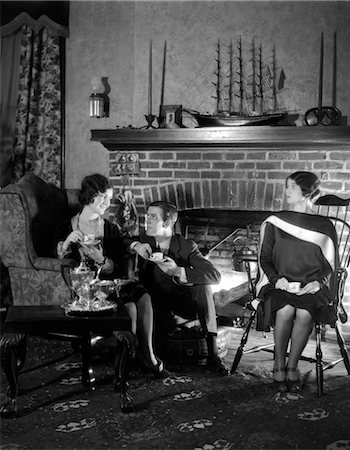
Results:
<point x="230" y="194"/>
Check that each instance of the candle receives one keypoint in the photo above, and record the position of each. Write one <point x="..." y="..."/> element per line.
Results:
<point x="163" y="76"/>
<point x="150" y="80"/>
<point x="320" y="83"/>
<point x="334" y="86"/>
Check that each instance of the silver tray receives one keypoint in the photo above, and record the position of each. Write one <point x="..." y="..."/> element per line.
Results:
<point x="91" y="313"/>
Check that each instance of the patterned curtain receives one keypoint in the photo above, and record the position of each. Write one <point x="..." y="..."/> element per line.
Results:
<point x="38" y="124"/>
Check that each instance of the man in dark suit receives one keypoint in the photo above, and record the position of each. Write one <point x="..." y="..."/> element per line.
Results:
<point x="179" y="282"/>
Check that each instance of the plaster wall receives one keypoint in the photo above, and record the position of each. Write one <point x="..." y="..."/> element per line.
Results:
<point x="112" y="39"/>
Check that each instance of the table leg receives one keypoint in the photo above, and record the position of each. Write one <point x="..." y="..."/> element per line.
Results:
<point x="88" y="374"/>
<point x="126" y="346"/>
<point x="13" y="352"/>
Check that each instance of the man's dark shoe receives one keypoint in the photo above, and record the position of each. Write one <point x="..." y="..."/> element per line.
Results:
<point x="216" y="365"/>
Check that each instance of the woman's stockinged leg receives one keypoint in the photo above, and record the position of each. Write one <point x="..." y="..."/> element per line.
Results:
<point x="300" y="335"/>
<point x="132" y="311"/>
<point x="141" y="313"/>
<point x="282" y="334"/>
<point x="145" y="327"/>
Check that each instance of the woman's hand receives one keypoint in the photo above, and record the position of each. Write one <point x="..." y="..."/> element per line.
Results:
<point x="255" y="303"/>
<point x="282" y="283"/>
<point x="73" y="237"/>
<point x="310" y="288"/>
<point x="94" y="252"/>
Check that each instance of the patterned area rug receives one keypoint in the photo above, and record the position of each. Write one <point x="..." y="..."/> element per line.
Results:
<point x="192" y="409"/>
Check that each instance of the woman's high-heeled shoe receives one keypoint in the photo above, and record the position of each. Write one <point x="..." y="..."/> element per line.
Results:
<point x="281" y="385"/>
<point x="294" y="386"/>
<point x="158" y="370"/>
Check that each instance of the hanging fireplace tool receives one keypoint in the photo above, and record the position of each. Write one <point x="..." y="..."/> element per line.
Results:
<point x="325" y="115"/>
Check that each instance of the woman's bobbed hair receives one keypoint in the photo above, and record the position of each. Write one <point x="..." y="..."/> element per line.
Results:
<point x="309" y="183"/>
<point x="91" y="186"/>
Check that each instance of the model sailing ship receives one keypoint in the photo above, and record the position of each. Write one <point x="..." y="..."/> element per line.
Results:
<point x="262" y="81"/>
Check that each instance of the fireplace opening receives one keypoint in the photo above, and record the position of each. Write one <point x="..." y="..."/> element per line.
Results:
<point x="224" y="236"/>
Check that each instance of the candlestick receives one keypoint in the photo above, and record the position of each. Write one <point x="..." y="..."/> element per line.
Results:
<point x="150" y="119"/>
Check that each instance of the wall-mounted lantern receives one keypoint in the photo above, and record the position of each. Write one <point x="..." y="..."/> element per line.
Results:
<point x="99" y="101"/>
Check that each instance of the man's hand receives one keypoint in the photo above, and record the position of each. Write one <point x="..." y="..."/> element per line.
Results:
<point x="144" y="250"/>
<point x="169" y="266"/>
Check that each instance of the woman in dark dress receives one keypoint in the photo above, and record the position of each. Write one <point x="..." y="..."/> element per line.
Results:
<point x="296" y="279"/>
<point x="106" y="255"/>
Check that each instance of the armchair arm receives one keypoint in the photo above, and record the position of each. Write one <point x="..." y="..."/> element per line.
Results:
<point x="53" y="264"/>
<point x="342" y="275"/>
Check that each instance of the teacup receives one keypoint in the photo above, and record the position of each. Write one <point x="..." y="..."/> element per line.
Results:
<point x="157" y="256"/>
<point x="89" y="238"/>
<point x="104" y="286"/>
<point x="294" y="287"/>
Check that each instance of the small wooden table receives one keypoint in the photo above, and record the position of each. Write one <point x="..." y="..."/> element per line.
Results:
<point x="52" y="321"/>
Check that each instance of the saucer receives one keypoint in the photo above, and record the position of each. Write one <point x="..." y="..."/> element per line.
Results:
<point x="94" y="242"/>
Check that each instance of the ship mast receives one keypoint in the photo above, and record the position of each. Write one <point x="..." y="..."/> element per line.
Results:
<point x="219" y="107"/>
<point x="253" y="77"/>
<point x="230" y="86"/>
<point x="260" y="76"/>
<point x="274" y="71"/>
<point x="240" y="73"/>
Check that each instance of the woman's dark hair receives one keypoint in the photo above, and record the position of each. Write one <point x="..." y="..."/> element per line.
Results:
<point x="309" y="183"/>
<point x="169" y="210"/>
<point x="91" y="186"/>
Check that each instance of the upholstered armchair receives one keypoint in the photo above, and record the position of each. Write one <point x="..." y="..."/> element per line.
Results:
<point x="29" y="212"/>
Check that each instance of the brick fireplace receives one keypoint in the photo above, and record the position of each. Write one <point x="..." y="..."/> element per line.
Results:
<point x="228" y="178"/>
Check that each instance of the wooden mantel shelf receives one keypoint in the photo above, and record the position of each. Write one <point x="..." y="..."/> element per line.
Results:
<point x="243" y="137"/>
